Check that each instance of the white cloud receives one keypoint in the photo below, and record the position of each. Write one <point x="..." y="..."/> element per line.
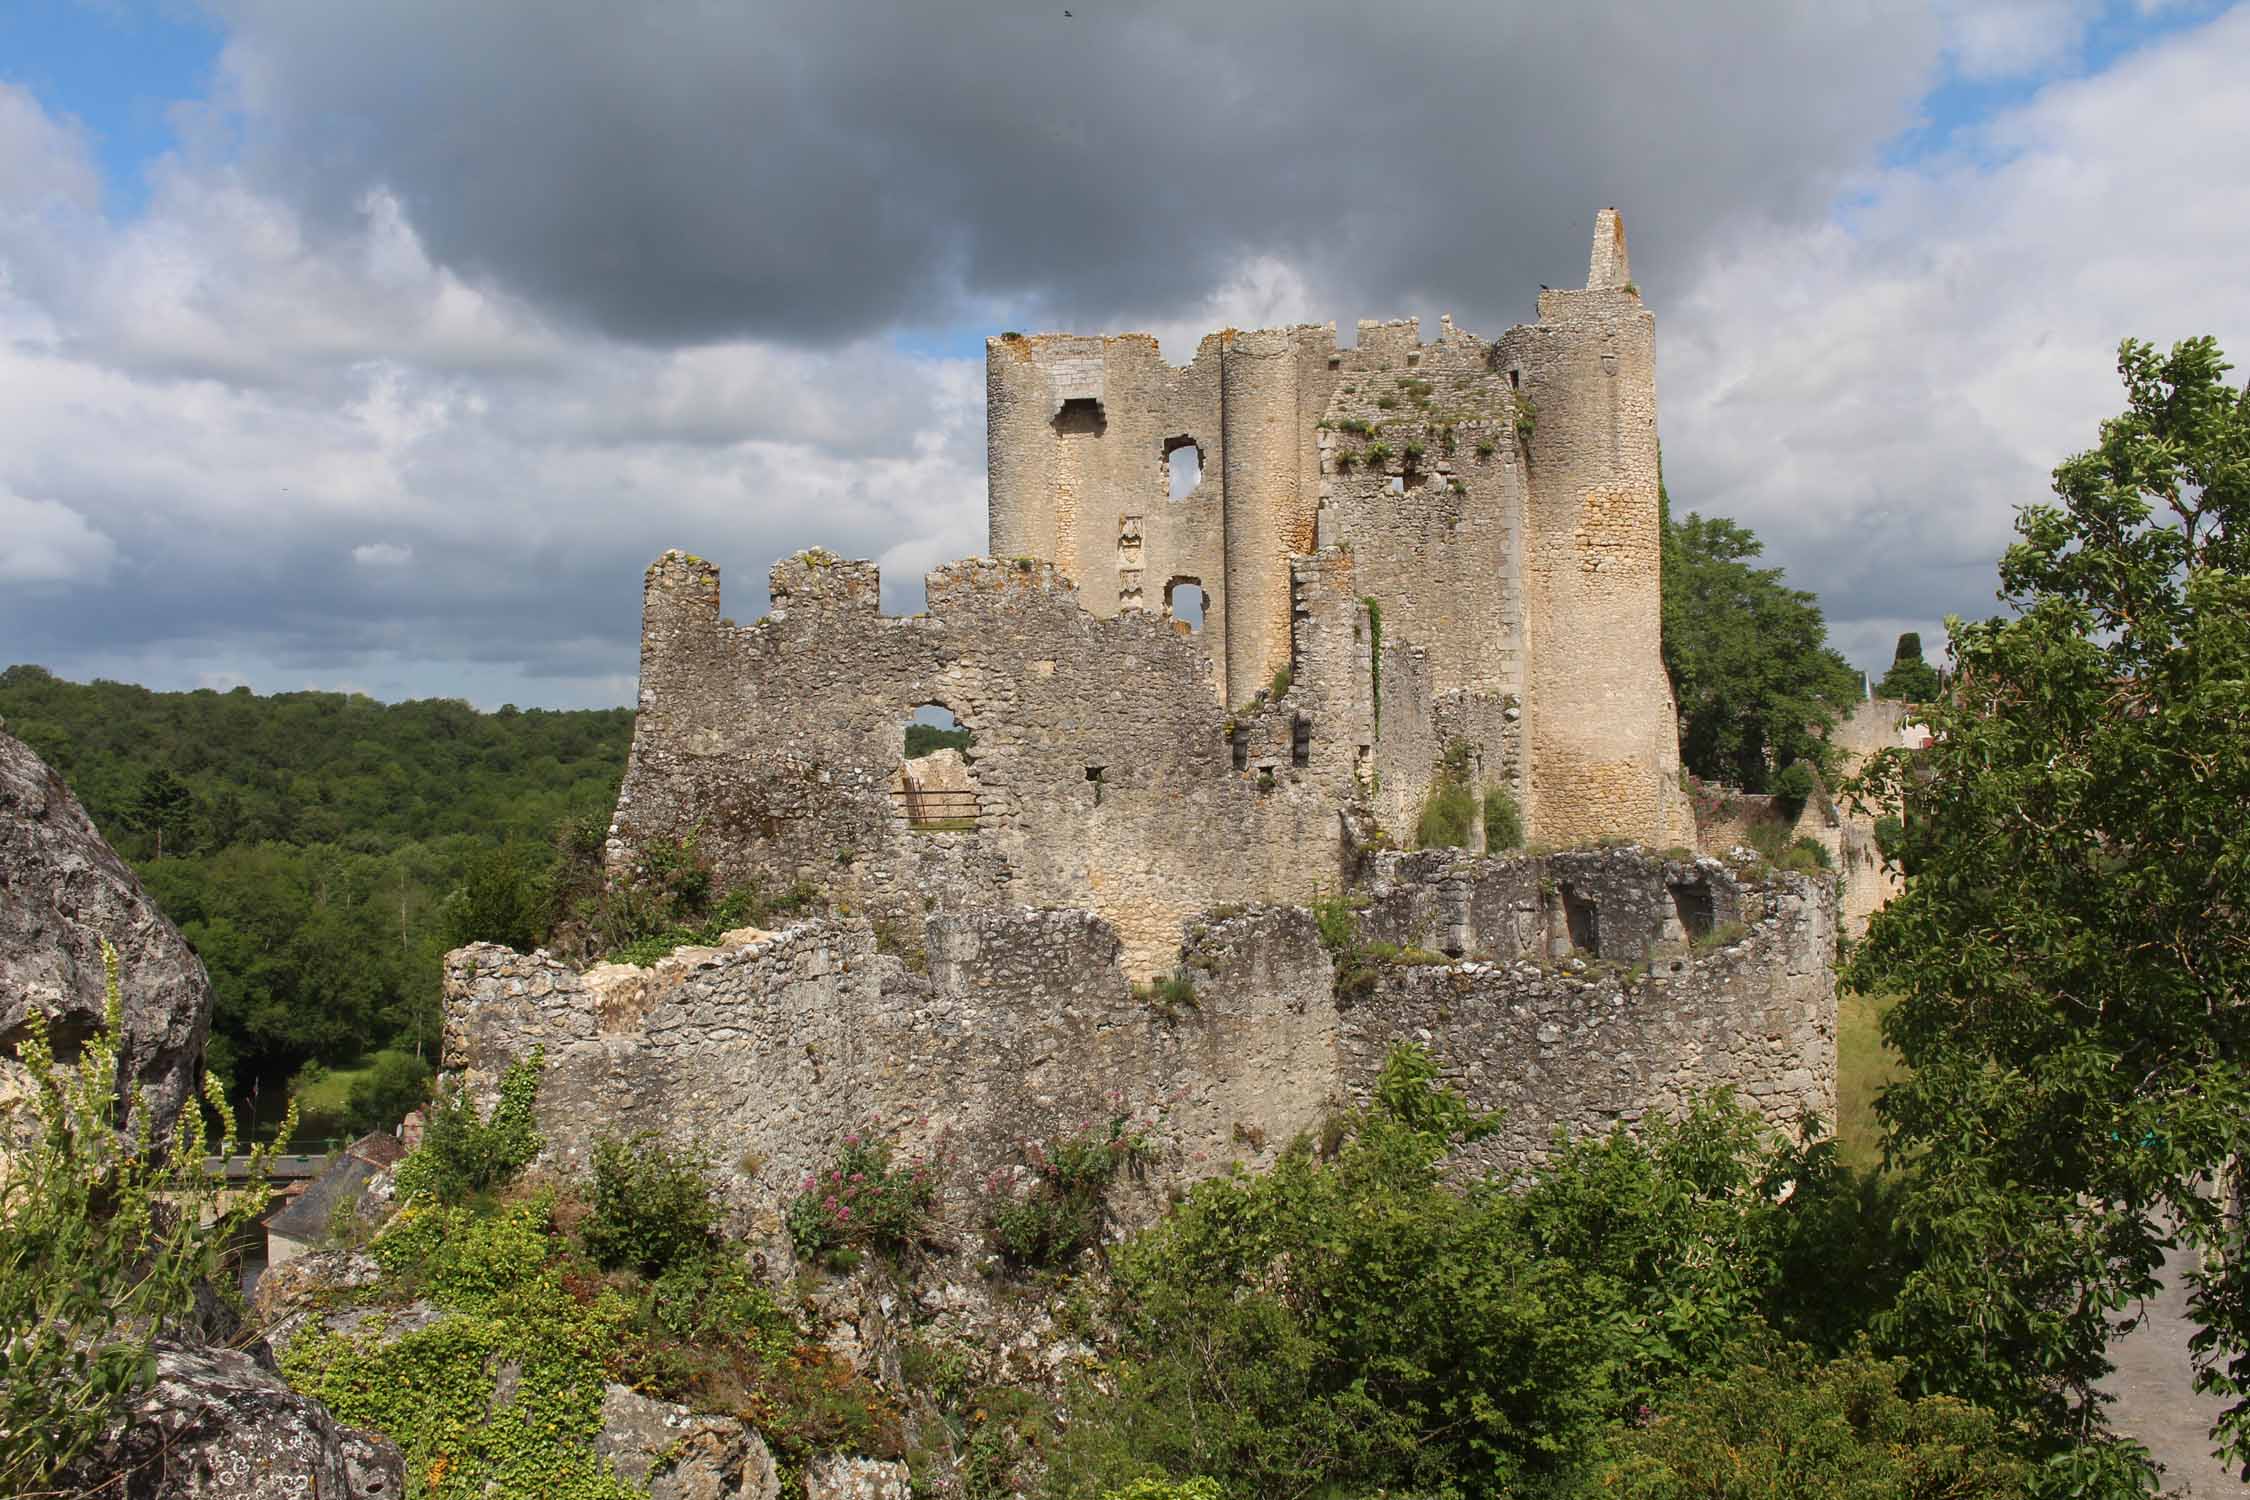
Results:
<point x="382" y="555"/>
<point x="44" y="541"/>
<point x="1876" y="400"/>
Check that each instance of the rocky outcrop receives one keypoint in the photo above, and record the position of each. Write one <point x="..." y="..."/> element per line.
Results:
<point x="217" y="1425"/>
<point x="63" y="891"/>
<point x="842" y="1477"/>
<point x="677" y="1454"/>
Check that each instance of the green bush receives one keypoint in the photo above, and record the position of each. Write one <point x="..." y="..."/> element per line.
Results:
<point x="461" y="1154"/>
<point x="862" y="1201"/>
<point x="503" y="898"/>
<point x="1059" y="1213"/>
<point x="1449" y="810"/>
<point x="398" y="1083"/>
<point x="1503" y="821"/>
<point x="102" y="1246"/>
<point x="1781" y="1426"/>
<point x="652" y="1207"/>
<point x="1373" y="1321"/>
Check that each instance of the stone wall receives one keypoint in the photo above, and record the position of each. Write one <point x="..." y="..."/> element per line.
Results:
<point x="1875" y="725"/>
<point x="766" y="1053"/>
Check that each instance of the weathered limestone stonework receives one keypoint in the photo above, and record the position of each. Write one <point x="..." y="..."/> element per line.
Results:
<point x="1499" y="500"/>
<point x="1591" y="987"/>
<point x="1403" y="548"/>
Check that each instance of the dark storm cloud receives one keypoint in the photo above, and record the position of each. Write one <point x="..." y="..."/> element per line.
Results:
<point x="683" y="172"/>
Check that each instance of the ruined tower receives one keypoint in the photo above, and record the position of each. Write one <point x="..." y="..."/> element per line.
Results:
<point x="1499" y="500"/>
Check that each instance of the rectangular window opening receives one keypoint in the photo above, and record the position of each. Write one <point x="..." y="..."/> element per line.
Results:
<point x="1300" y="742"/>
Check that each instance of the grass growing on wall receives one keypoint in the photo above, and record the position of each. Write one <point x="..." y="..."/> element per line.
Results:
<point x="1449" y="812"/>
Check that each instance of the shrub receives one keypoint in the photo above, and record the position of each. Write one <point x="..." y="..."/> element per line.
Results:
<point x="862" y="1201"/>
<point x="101" y="1245"/>
<point x="1378" y="452"/>
<point x="652" y="1206"/>
<point x="1486" y="448"/>
<point x="1449" y="810"/>
<point x="1059" y="1213"/>
<point x="1283" y="678"/>
<point x="1782" y="1427"/>
<point x="1168" y="992"/>
<point x="397" y="1083"/>
<point x="1503" y="823"/>
<point x="461" y="1154"/>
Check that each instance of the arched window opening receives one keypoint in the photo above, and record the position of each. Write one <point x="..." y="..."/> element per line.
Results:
<point x="1184" y="603"/>
<point x="1183" y="466"/>
<point x="933" y="787"/>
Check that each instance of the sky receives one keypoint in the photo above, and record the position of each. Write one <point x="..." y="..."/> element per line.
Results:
<point x="380" y="347"/>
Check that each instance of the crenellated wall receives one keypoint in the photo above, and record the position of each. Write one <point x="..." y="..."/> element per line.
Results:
<point x="1103" y="774"/>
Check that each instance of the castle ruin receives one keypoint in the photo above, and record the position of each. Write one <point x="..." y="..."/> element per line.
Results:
<point x="1404" y="551"/>
<point x="1415" y="561"/>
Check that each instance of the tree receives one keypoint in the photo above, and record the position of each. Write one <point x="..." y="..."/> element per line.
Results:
<point x="2072" y="952"/>
<point x="1757" y="683"/>
<point x="163" y="803"/>
<point x="1910" y="678"/>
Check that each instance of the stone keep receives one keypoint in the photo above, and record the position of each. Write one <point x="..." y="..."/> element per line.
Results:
<point x="1502" y="516"/>
<point x="1402" y="548"/>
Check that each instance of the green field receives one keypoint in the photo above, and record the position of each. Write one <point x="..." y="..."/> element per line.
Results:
<point x="1863" y="1066"/>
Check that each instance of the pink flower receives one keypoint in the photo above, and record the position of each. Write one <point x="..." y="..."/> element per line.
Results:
<point x="809" y="1181"/>
<point x="842" y="1214"/>
<point x="859" y="1176"/>
<point x="852" y="1139"/>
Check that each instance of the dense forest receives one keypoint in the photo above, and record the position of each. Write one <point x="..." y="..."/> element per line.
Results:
<point x="314" y="847"/>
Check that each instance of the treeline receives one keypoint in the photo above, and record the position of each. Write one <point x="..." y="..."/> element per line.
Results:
<point x="315" y="847"/>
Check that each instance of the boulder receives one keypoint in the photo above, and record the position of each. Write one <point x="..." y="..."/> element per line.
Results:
<point x="839" y="1476"/>
<point x="677" y="1454"/>
<point x="217" y="1425"/>
<point x="62" y="891"/>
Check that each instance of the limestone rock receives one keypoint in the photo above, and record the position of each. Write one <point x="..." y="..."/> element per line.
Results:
<point x="62" y="891"/>
<point x="217" y="1426"/>
<point x="842" y="1477"/>
<point x="678" y="1454"/>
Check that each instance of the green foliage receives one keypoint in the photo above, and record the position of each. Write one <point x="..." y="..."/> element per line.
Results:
<point x="862" y="1201"/>
<point x="522" y="1294"/>
<point x="1283" y="677"/>
<point x="1503" y="821"/>
<point x="1757" y="684"/>
<point x="1378" y="453"/>
<point x="1527" y="419"/>
<point x="320" y="837"/>
<point x="1168" y="992"/>
<point x="394" y="1085"/>
<point x="1360" y="1323"/>
<point x="461" y="1154"/>
<point x="2072" y="946"/>
<point x="1449" y="809"/>
<point x="1057" y="1213"/>
<point x="1486" y="448"/>
<point x="652" y="1206"/>
<point x="101" y="1245"/>
<point x="1781" y="1426"/>
<point x="502" y="898"/>
<point x="1910" y="677"/>
<point x="670" y="899"/>
<point x="924" y="739"/>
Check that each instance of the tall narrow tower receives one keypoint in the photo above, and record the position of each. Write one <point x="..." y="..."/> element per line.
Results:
<point x="1604" y="747"/>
